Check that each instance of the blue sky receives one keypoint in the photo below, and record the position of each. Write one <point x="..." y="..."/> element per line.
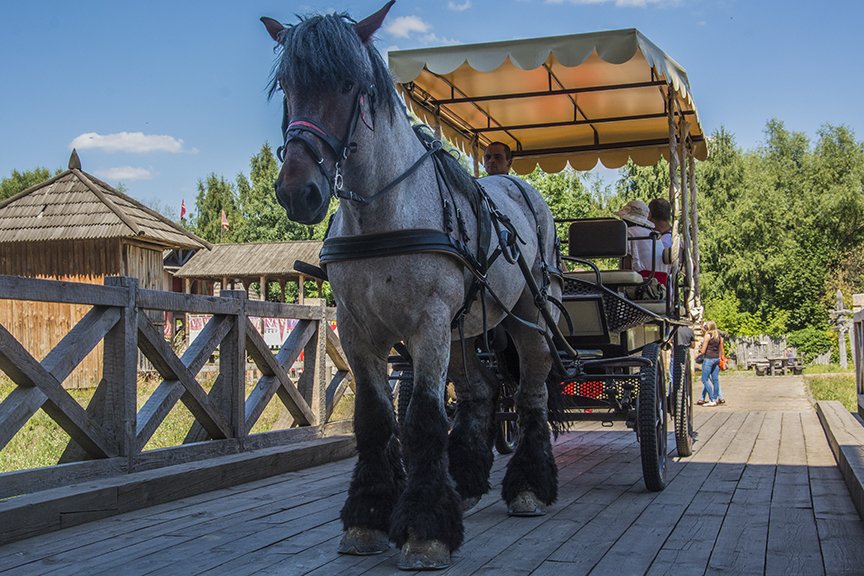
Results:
<point x="158" y="94"/>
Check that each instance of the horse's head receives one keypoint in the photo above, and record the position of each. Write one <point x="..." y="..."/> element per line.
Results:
<point x="329" y="74"/>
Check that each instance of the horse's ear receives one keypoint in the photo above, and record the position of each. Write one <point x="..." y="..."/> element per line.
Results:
<point x="369" y="25"/>
<point x="274" y="27"/>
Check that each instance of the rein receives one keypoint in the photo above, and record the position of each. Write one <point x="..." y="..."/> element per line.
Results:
<point x="418" y="240"/>
<point x="452" y="242"/>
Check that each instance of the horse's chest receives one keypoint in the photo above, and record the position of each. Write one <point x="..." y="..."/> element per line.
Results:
<point x="389" y="288"/>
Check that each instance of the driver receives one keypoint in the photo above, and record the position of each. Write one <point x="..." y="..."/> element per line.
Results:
<point x="497" y="159"/>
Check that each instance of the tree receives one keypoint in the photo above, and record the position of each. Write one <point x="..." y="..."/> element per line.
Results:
<point x="215" y="194"/>
<point x="643" y="182"/>
<point x="566" y="195"/>
<point x="20" y="181"/>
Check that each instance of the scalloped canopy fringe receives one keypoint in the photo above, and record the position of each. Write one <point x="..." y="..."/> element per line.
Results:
<point x="583" y="99"/>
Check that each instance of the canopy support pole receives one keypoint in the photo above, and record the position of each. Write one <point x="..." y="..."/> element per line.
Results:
<point x="475" y="152"/>
<point x="691" y="160"/>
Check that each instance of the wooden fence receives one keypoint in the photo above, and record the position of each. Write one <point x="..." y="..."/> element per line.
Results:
<point x="109" y="435"/>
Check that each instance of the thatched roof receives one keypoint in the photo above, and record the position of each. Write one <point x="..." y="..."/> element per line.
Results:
<point x="274" y="260"/>
<point x="77" y="206"/>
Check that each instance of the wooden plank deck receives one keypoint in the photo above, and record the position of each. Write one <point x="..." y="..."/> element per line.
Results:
<point x="760" y="495"/>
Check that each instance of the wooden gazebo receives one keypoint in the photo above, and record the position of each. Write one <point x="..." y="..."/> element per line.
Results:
<point x="229" y="265"/>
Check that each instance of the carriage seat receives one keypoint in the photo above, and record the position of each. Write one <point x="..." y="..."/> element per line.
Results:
<point x="609" y="277"/>
<point x="590" y="238"/>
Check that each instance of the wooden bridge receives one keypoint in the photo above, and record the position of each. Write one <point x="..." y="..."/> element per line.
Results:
<point x="762" y="494"/>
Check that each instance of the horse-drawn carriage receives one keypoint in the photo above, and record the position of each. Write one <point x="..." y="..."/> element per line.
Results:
<point x="609" y="96"/>
<point x="423" y="255"/>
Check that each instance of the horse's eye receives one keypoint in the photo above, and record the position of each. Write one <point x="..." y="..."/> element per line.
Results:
<point x="347" y="87"/>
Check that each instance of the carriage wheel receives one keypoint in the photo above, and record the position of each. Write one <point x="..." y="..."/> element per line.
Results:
<point x="651" y="420"/>
<point x="683" y="386"/>
<point x="507" y="431"/>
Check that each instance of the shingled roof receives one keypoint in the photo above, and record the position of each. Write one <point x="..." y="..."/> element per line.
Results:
<point x="273" y="259"/>
<point x="77" y="206"/>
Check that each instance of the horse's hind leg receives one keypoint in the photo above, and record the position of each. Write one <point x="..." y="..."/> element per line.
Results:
<point x="427" y="521"/>
<point x="378" y="477"/>
<point x="531" y="481"/>
<point x="470" y="444"/>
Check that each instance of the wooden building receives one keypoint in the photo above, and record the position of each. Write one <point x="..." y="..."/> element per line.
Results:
<point x="235" y="265"/>
<point x="75" y="227"/>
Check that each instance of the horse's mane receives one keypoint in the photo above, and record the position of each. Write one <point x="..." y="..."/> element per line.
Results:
<point x="325" y="52"/>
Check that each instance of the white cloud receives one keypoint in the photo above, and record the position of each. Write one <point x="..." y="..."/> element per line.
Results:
<point x="432" y="38"/>
<point x="124" y="173"/>
<point x="405" y="26"/>
<point x="134" y="142"/>
<point x="457" y="7"/>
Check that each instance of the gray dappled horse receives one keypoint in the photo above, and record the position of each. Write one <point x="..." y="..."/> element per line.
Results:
<point x="347" y="134"/>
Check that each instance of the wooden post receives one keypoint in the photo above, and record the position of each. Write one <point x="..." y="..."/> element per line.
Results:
<point x="263" y="285"/>
<point x="232" y="368"/>
<point x="120" y="372"/>
<point x="187" y="289"/>
<point x="301" y="290"/>
<point x="313" y="382"/>
<point x="841" y="329"/>
<point x="282" y="290"/>
<point x="113" y="405"/>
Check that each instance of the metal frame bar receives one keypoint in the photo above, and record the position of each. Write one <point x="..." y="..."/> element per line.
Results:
<point x="577" y="122"/>
<point x="561" y="92"/>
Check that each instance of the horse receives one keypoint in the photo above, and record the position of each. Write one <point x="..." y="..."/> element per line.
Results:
<point x="410" y="260"/>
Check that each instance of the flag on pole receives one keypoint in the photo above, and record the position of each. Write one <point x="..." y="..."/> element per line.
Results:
<point x="224" y="220"/>
<point x="182" y="208"/>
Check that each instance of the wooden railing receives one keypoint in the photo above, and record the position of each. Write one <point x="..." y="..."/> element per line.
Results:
<point x="109" y="436"/>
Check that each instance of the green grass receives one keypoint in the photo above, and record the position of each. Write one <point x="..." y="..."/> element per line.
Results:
<point x="841" y="388"/>
<point x="827" y="369"/>
<point x="41" y="441"/>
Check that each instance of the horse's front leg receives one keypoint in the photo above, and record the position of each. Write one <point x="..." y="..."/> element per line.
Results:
<point x="470" y="444"/>
<point x="378" y="477"/>
<point x="531" y="481"/>
<point x="427" y="522"/>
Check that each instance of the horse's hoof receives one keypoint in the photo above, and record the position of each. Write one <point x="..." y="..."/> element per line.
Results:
<point x="364" y="542"/>
<point x="424" y="555"/>
<point x="470" y="502"/>
<point x="526" y="504"/>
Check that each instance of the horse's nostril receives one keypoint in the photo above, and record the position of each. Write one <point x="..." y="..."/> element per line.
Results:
<point x="312" y="196"/>
<point x="279" y="196"/>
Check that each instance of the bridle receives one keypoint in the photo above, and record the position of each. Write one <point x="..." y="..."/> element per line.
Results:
<point x="301" y="128"/>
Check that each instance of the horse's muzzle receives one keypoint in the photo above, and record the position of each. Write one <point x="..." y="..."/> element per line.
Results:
<point x="306" y="204"/>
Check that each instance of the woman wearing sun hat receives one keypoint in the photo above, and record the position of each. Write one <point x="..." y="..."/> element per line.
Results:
<point x="642" y="249"/>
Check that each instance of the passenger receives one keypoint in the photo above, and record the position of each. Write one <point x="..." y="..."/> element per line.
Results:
<point x="643" y="251"/>
<point x="497" y="159"/>
<point x="660" y="213"/>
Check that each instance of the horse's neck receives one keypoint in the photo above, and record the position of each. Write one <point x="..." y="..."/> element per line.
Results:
<point x="381" y="158"/>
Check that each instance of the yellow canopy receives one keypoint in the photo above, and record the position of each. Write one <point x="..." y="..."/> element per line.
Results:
<point x="577" y="98"/>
